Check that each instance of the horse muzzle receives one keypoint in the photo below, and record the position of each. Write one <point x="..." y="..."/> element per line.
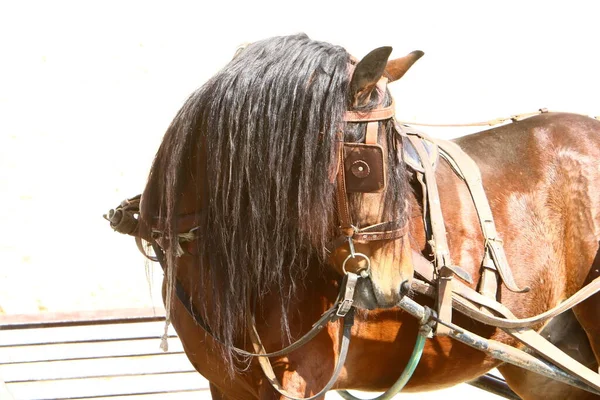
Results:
<point x="369" y="296"/>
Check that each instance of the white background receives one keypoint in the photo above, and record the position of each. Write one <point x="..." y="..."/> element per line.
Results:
<point x="87" y="90"/>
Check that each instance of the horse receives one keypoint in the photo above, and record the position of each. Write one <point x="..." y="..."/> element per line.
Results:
<point x="250" y="166"/>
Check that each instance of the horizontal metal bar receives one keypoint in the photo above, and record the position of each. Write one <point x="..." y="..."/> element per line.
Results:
<point x="77" y="318"/>
<point x="511" y="355"/>
<point x="500" y="351"/>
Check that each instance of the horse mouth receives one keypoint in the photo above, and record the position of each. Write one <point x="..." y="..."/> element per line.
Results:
<point x="367" y="296"/>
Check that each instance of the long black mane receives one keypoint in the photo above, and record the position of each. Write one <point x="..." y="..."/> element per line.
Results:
<point x="254" y="149"/>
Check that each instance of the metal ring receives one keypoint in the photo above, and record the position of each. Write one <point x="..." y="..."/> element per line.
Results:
<point x="367" y="270"/>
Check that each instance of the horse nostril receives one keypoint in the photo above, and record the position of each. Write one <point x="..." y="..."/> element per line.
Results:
<point x="404" y="288"/>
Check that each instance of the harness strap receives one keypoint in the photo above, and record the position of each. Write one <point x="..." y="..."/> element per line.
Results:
<point x="341" y="196"/>
<point x="373" y="115"/>
<point x="510" y="322"/>
<point x="267" y="368"/>
<point x="369" y="234"/>
<point x="372" y="132"/>
<point x="330" y="315"/>
<point x="488" y="282"/>
<point x="465" y="168"/>
<point x="437" y="240"/>
<point x="366" y="235"/>
<point x="464" y="298"/>
<point x="494" y="261"/>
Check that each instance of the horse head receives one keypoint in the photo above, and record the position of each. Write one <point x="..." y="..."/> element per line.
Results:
<point x="372" y="187"/>
<point x="252" y="163"/>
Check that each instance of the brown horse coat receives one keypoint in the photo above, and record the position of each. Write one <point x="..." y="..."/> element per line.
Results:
<point x="541" y="176"/>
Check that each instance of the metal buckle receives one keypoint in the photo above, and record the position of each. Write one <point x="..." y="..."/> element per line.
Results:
<point x="346" y="304"/>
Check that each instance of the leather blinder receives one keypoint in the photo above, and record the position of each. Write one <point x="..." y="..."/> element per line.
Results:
<point x="364" y="168"/>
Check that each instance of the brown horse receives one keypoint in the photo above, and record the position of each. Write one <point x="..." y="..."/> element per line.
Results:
<point x="251" y="164"/>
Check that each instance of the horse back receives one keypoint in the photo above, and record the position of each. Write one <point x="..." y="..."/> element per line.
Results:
<point x="542" y="179"/>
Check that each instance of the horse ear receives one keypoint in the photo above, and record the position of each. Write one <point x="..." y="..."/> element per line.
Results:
<point x="367" y="73"/>
<point x="396" y="69"/>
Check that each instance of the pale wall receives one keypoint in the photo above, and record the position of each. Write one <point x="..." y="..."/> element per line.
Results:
<point x="87" y="90"/>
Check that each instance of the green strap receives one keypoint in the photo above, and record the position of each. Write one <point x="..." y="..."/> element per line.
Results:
<point x="404" y="377"/>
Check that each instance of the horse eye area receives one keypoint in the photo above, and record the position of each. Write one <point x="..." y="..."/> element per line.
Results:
<point x="360" y="169"/>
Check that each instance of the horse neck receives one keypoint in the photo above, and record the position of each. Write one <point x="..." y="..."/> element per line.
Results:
<point x="316" y="294"/>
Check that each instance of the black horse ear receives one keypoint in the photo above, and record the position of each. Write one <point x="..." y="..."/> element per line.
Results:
<point x="367" y="73"/>
<point x="396" y="69"/>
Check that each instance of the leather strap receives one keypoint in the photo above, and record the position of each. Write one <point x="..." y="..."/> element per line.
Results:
<point x="364" y="236"/>
<point x="344" y="310"/>
<point x="465" y="301"/>
<point x="465" y="168"/>
<point x="510" y="322"/>
<point x="369" y="234"/>
<point x="495" y="259"/>
<point x="374" y="115"/>
<point x="437" y="239"/>
<point x="372" y="132"/>
<point x="463" y="292"/>
<point x="410" y="156"/>
<point x="267" y="368"/>
<point x="328" y="316"/>
<point x="380" y="113"/>
<point x="342" y="197"/>
<point x="488" y="283"/>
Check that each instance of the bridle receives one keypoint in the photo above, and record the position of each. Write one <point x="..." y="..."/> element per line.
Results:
<point x="362" y="168"/>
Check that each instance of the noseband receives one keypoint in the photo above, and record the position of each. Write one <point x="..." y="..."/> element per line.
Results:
<point x="362" y="169"/>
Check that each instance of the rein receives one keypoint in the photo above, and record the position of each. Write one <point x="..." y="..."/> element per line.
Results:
<point x="491" y="122"/>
